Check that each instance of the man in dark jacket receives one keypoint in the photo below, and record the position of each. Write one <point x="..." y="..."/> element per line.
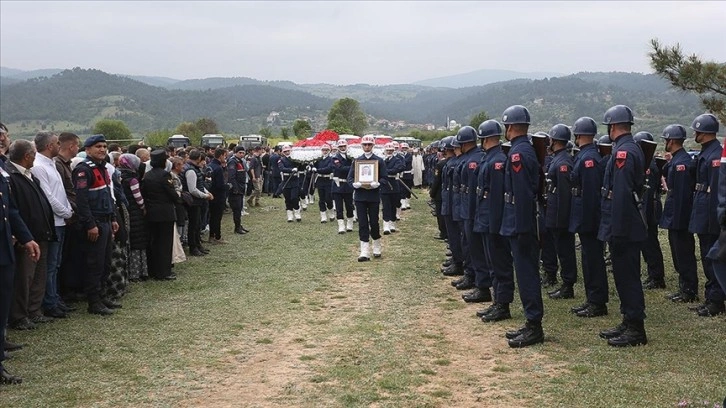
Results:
<point x="218" y="189"/>
<point x="29" y="283"/>
<point x="159" y="198"/>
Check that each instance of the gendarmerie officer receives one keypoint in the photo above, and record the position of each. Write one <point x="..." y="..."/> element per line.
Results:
<point x="519" y="223"/>
<point x="367" y="201"/>
<point x="435" y="189"/>
<point x="586" y="180"/>
<point x="291" y="183"/>
<point x="477" y="266"/>
<point x="680" y="179"/>
<point x="341" y="190"/>
<point x="652" y="201"/>
<point x="622" y="226"/>
<point x="391" y="190"/>
<point x="237" y="179"/>
<point x="557" y="217"/>
<point x="547" y="249"/>
<point x="97" y="218"/>
<point x="324" y="168"/>
<point x="705" y="200"/>
<point x="450" y="209"/>
<point x="716" y="254"/>
<point x="488" y="221"/>
<point x="406" y="176"/>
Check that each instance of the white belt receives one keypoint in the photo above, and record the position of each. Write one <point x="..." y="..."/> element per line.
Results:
<point x="324" y="175"/>
<point x="408" y="172"/>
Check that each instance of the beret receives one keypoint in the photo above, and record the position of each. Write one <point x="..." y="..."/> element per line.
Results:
<point x="92" y="140"/>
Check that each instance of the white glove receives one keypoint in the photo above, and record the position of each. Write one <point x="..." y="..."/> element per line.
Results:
<point x="314" y="170"/>
<point x="294" y="169"/>
<point x="357" y="185"/>
<point x="375" y="184"/>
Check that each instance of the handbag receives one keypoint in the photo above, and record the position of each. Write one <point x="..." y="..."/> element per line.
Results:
<point x="187" y="198"/>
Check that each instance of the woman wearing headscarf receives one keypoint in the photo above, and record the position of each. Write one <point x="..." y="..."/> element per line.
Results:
<point x="118" y="276"/>
<point x="128" y="165"/>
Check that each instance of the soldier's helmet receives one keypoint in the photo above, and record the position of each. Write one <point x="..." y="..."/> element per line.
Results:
<point x="674" y="132"/>
<point x="388" y="146"/>
<point x="585" y="126"/>
<point x="706" y="123"/>
<point x="490" y="128"/>
<point x="605" y="141"/>
<point x="643" y="136"/>
<point x="618" y="114"/>
<point x="367" y="139"/>
<point x="286" y="149"/>
<point x="466" y="134"/>
<point x="325" y="147"/>
<point x="447" y="143"/>
<point x="560" y="132"/>
<point x="395" y="144"/>
<point x="342" y="142"/>
<point x="404" y="145"/>
<point x="516" y="114"/>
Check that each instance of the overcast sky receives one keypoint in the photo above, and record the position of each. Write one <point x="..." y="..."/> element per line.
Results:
<point x="351" y="42"/>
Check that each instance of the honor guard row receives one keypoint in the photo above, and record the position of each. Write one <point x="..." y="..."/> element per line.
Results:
<point x="505" y="206"/>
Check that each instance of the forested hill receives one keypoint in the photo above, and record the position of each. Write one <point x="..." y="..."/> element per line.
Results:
<point x="79" y="97"/>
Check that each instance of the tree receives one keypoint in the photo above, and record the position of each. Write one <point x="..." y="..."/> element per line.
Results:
<point x="265" y="131"/>
<point x="285" y="133"/>
<point x="112" y="129"/>
<point x="301" y="128"/>
<point x="707" y="79"/>
<point x="207" y="126"/>
<point x="346" y="116"/>
<point x="190" y="130"/>
<point x="477" y="119"/>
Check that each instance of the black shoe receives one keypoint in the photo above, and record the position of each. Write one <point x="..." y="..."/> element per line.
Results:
<point x="171" y="277"/>
<point x="614" y="331"/>
<point x="654" y="284"/>
<point x="673" y="295"/>
<point x="633" y="335"/>
<point x="685" y="298"/>
<point x="203" y="250"/>
<point x="6" y="378"/>
<point x="239" y="230"/>
<point x="593" y="310"/>
<point x="564" y="292"/>
<point x="500" y="312"/>
<point x="23" y="324"/>
<point x="439" y="237"/>
<point x="55" y="312"/>
<point x="448" y="253"/>
<point x="477" y="296"/>
<point x="196" y="252"/>
<point x="99" y="309"/>
<point x="532" y="334"/>
<point x="466" y="283"/>
<point x="488" y="310"/>
<point x="575" y="309"/>
<point x="711" y="309"/>
<point x="514" y="333"/>
<point x="458" y="281"/>
<point x="39" y="319"/>
<point x="10" y="346"/>
<point x="111" y="304"/>
<point x="447" y="263"/>
<point x="64" y="307"/>
<point x="453" y="270"/>
<point x="363" y="259"/>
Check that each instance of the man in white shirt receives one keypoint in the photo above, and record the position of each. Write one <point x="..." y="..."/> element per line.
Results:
<point x="45" y="171"/>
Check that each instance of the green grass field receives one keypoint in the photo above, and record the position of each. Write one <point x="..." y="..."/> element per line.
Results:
<point x="285" y="316"/>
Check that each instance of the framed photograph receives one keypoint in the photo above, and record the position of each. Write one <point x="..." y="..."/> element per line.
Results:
<point x="366" y="172"/>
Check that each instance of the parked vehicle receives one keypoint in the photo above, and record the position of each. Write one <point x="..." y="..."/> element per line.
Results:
<point x="213" y="140"/>
<point x="411" y="141"/>
<point x="178" y="141"/>
<point x="250" y="141"/>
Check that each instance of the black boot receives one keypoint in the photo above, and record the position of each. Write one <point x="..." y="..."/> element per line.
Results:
<point x="458" y="281"/>
<point x="708" y="310"/>
<point x="7" y="378"/>
<point x="466" y="283"/>
<point x="564" y="292"/>
<point x="477" y="296"/>
<point x="634" y="335"/>
<point x="575" y="309"/>
<point x="99" y="308"/>
<point x="614" y="331"/>
<point x="593" y="310"/>
<point x="654" y="284"/>
<point x="448" y="262"/>
<point x="532" y="334"/>
<point x="111" y="304"/>
<point x="453" y="270"/>
<point x="486" y="311"/>
<point x="500" y="312"/>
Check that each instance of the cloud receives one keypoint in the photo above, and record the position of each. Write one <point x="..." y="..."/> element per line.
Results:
<point x="351" y="42"/>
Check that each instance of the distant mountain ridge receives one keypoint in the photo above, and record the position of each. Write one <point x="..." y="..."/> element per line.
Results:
<point x="482" y="77"/>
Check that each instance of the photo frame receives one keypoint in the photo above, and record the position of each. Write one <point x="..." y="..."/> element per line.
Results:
<point x="366" y="172"/>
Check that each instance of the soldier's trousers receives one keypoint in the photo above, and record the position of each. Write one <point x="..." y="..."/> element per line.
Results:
<point x="713" y="291"/>
<point x="500" y="254"/>
<point x="525" y="251"/>
<point x="625" y="256"/>
<point x="98" y="261"/>
<point x="683" y="252"/>
<point x="235" y="203"/>
<point x="454" y="233"/>
<point x="653" y="255"/>
<point x="325" y="201"/>
<point x="409" y="183"/>
<point x="440" y="222"/>
<point x="340" y="200"/>
<point x="388" y="201"/>
<point x="368" y="224"/>
<point x="548" y="254"/>
<point x="478" y="261"/>
<point x="565" y="246"/>
<point x="292" y="198"/>
<point x="594" y="273"/>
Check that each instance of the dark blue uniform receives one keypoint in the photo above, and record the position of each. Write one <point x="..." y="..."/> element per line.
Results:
<point x="391" y="191"/>
<point x="291" y="192"/>
<point x="488" y="221"/>
<point x="586" y="182"/>
<point x="407" y="175"/>
<point x="341" y="190"/>
<point x="519" y="222"/>
<point x="237" y="179"/>
<point x="435" y="192"/>
<point x="653" y="204"/>
<point x="719" y="266"/>
<point x="557" y="216"/>
<point x="621" y="225"/>
<point x="367" y="201"/>
<point x="676" y="216"/>
<point x="478" y="266"/>
<point x="323" y="183"/>
<point x="548" y="249"/>
<point x="95" y="208"/>
<point x="11" y="224"/>
<point x="703" y="216"/>
<point x="276" y="177"/>
<point x="449" y="207"/>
